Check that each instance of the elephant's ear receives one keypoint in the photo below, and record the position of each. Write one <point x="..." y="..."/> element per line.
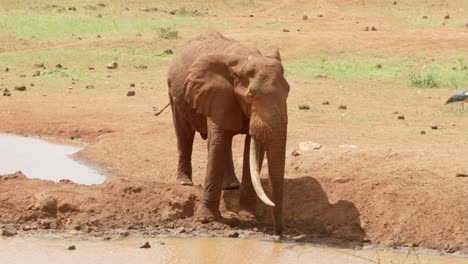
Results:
<point x="209" y="89"/>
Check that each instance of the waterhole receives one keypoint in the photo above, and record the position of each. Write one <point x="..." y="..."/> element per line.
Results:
<point x="197" y="250"/>
<point x="42" y="159"/>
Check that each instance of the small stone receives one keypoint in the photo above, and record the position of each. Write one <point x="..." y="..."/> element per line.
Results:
<point x="461" y="175"/>
<point x="447" y="17"/>
<point x="320" y="15"/>
<point x="37" y="73"/>
<point x="89" y="86"/>
<point x="91" y="68"/>
<point x="395" y="113"/>
<point x="72" y="247"/>
<point x="113" y="65"/>
<point x="309" y="145"/>
<point x="233" y="234"/>
<point x="342" y="107"/>
<point x="424" y="17"/>
<point x="394" y="2"/>
<point x="422" y="132"/>
<point x="285" y="30"/>
<point x="146" y="245"/>
<point x="58" y="66"/>
<point x="131" y="93"/>
<point x="132" y="85"/>
<point x="168" y="51"/>
<point x="9" y="232"/>
<point x="304" y="17"/>
<point x="8" y="69"/>
<point x="141" y="67"/>
<point x="39" y="65"/>
<point x="26" y="227"/>
<point x="32" y="84"/>
<point x="434" y="127"/>
<point x="72" y="8"/>
<point x="401" y="117"/>
<point x="325" y="103"/>
<point x="303" y="107"/>
<point x="20" y="88"/>
<point x="341" y="180"/>
<point x="181" y="230"/>
<point x="378" y="66"/>
<point x="374" y="29"/>
<point x="296" y="153"/>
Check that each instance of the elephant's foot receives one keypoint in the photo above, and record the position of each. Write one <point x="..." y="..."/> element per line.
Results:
<point x="207" y="215"/>
<point x="230" y="182"/>
<point x="184" y="180"/>
<point x="245" y="214"/>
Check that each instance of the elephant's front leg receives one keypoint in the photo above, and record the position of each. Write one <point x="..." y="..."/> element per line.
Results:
<point x="218" y="153"/>
<point x="230" y="181"/>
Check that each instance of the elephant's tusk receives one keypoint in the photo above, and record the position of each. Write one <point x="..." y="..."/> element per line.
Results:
<point x="255" y="157"/>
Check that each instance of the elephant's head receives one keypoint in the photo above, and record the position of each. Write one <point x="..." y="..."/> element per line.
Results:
<point x="241" y="93"/>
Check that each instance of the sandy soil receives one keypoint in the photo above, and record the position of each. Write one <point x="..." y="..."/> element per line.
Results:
<point x="394" y="186"/>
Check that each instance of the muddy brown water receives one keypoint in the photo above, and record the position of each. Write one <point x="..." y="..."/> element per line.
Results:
<point x="196" y="250"/>
<point x="43" y="159"/>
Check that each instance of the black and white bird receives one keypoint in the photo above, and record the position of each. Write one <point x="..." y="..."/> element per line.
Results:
<point x="459" y="97"/>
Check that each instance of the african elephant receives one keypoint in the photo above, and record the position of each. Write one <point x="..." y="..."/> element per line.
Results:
<point x="220" y="88"/>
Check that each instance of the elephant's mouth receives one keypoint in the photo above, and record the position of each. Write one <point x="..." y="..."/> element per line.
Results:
<point x="257" y="153"/>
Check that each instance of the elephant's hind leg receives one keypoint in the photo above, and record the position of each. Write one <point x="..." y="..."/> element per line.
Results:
<point x="185" y="135"/>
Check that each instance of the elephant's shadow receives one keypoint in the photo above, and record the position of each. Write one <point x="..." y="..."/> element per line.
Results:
<point x="307" y="210"/>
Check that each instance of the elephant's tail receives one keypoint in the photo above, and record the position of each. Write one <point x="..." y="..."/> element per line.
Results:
<point x="162" y="110"/>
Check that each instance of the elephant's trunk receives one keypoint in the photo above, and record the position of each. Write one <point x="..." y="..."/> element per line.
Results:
<point x="276" y="163"/>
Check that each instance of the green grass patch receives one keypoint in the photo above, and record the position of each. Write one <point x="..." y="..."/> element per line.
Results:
<point x="70" y="26"/>
<point x="450" y="73"/>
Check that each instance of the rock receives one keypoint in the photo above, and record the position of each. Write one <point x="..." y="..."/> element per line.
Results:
<point x="447" y="17"/>
<point x="141" y="67"/>
<point x="58" y="66"/>
<point x="168" y="51"/>
<point x="424" y="17"/>
<point x="296" y="153"/>
<point x="9" y="232"/>
<point x="39" y="65"/>
<point x="146" y="245"/>
<point x="98" y="36"/>
<point x="26" y="227"/>
<point x="181" y="230"/>
<point x="378" y="66"/>
<point x="395" y="112"/>
<point x="102" y="5"/>
<point x="401" y="117"/>
<point x="422" y="132"/>
<point x="342" y="107"/>
<point x="91" y="68"/>
<point x="373" y="28"/>
<point x="72" y="247"/>
<point x="394" y="2"/>
<point x="6" y="92"/>
<point x="233" y="234"/>
<point x="320" y="15"/>
<point x="113" y="65"/>
<point x="131" y="93"/>
<point x="325" y="103"/>
<point x="21" y="88"/>
<point x="304" y="17"/>
<point x="341" y="180"/>
<point x="173" y="12"/>
<point x="303" y="107"/>
<point x="8" y="69"/>
<point x="72" y="8"/>
<point x="309" y="145"/>
<point x="285" y="30"/>
<point x="299" y="238"/>
<point x="90" y="86"/>
<point x="251" y="15"/>
<point x="461" y="174"/>
<point x="37" y="73"/>
<point x="434" y="127"/>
